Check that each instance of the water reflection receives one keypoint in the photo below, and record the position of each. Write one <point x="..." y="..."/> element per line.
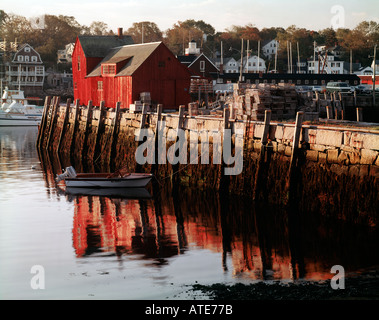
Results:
<point x="164" y="223"/>
<point x="254" y="242"/>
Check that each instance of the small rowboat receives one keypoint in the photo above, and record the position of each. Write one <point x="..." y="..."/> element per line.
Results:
<point x="124" y="193"/>
<point x="104" y="180"/>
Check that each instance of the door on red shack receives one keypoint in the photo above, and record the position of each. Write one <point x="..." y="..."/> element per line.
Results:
<point x="168" y="94"/>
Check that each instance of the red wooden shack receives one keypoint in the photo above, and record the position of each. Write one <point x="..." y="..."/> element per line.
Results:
<point x="125" y="71"/>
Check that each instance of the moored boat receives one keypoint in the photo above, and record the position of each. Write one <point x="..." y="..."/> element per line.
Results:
<point x="15" y="110"/>
<point x="104" y="180"/>
<point x="125" y="193"/>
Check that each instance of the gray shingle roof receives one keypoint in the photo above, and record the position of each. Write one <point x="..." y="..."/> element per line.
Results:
<point x="135" y="54"/>
<point x="98" y="46"/>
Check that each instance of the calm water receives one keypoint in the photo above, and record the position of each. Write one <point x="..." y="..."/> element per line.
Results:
<point x="128" y="247"/>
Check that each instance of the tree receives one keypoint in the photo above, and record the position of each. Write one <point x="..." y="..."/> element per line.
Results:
<point x="329" y="36"/>
<point x="151" y="32"/>
<point x="205" y="28"/>
<point x="15" y="27"/>
<point x="98" y="28"/>
<point x="178" y="37"/>
<point x="3" y="16"/>
<point x="270" y="33"/>
<point x="58" y="31"/>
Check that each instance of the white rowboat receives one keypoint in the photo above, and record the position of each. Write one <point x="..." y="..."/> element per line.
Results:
<point x="104" y="180"/>
<point x="125" y="193"/>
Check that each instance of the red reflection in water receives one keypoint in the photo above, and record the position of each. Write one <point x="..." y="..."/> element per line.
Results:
<point x="159" y="231"/>
<point x="261" y="242"/>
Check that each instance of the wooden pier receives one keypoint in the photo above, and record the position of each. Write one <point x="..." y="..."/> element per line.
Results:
<point x="277" y="157"/>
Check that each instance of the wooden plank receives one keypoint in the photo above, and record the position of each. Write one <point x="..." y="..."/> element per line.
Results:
<point x="86" y="128"/>
<point x="75" y="125"/>
<point x="260" y="175"/>
<point x="52" y="120"/>
<point x="65" y="120"/>
<point x="99" y="127"/>
<point x="114" y="130"/>
<point x="42" y="127"/>
<point x="359" y="114"/>
<point x="295" y="147"/>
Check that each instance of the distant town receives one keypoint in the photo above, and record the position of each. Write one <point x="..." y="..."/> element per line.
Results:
<point x="36" y="56"/>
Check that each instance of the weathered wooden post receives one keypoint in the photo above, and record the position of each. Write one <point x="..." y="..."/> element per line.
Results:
<point x="295" y="147"/>
<point x="181" y="116"/>
<point x="329" y="112"/>
<point x="226" y="118"/>
<point x="99" y="128"/>
<point x="116" y="122"/>
<point x="65" y="120"/>
<point x="143" y="121"/>
<point x="156" y="137"/>
<point x="42" y="127"/>
<point x="223" y="179"/>
<point x="317" y="101"/>
<point x="259" y="176"/>
<point x="342" y="106"/>
<point x="75" y="125"/>
<point x="359" y="114"/>
<point x="355" y="99"/>
<point x="86" y="127"/>
<point x="266" y="128"/>
<point x="336" y="109"/>
<point x="52" y="120"/>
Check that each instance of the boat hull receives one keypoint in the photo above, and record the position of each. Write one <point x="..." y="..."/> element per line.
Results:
<point x="20" y="121"/>
<point x="125" y="193"/>
<point x="131" y="181"/>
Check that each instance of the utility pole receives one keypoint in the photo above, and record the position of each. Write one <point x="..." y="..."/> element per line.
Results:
<point x="288" y="58"/>
<point x="247" y="57"/>
<point x="259" y="49"/>
<point x="298" y="58"/>
<point x="222" y="60"/>
<point x="291" y="55"/>
<point x="276" y="54"/>
<point x="240" y="79"/>
<point x="314" y="56"/>
<point x="374" y="78"/>
<point x="142" y="32"/>
<point x="351" y="61"/>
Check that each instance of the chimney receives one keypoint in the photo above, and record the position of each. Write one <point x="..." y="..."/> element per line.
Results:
<point x="119" y="33"/>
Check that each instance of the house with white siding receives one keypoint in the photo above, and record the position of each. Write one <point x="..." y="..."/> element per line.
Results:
<point x="230" y="65"/>
<point x="269" y="48"/>
<point x="26" y="71"/>
<point x="253" y="65"/>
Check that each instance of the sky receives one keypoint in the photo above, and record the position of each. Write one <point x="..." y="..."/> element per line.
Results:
<point x="221" y="14"/>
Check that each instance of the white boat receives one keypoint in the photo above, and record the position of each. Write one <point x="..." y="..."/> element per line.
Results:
<point x="104" y="180"/>
<point x="125" y="193"/>
<point x="15" y="110"/>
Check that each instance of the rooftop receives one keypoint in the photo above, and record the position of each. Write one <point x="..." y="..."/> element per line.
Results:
<point x="98" y="46"/>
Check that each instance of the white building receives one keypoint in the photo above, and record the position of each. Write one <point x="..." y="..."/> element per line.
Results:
<point x="26" y="70"/>
<point x="269" y="48"/>
<point x="367" y="71"/>
<point x="253" y="65"/>
<point x="332" y="65"/>
<point x="192" y="49"/>
<point x="230" y="65"/>
<point x="65" y="55"/>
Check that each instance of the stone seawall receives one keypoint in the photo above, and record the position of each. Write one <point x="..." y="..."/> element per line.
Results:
<point x="333" y="169"/>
